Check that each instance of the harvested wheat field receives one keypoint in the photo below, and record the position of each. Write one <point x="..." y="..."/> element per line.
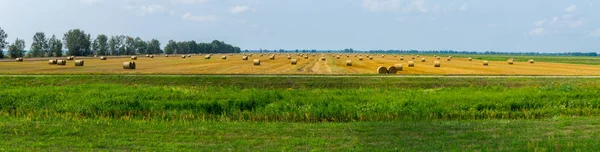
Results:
<point x="281" y="65"/>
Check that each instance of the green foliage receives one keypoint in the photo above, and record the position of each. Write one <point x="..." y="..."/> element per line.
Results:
<point x="186" y="47"/>
<point x="39" y="47"/>
<point x="17" y="49"/>
<point x="3" y="42"/>
<point x="102" y="44"/>
<point x="154" y="47"/>
<point x="77" y="43"/>
<point x="55" y="47"/>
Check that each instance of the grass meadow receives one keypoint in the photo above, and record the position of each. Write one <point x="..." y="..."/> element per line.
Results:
<point x="278" y="113"/>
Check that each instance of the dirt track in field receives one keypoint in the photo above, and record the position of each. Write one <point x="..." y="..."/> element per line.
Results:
<point x="234" y="65"/>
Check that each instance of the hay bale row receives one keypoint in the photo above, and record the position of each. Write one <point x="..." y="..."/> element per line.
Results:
<point x="78" y="62"/>
<point x="129" y="65"/>
<point x="382" y="70"/>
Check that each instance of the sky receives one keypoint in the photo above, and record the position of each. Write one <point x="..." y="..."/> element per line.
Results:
<point x="467" y="25"/>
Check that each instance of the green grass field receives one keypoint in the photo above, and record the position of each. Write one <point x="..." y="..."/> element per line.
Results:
<point x="233" y="113"/>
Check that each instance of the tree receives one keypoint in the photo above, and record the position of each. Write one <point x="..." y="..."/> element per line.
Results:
<point x="129" y="46"/>
<point x="3" y="42"/>
<point x="154" y="47"/>
<point x="141" y="46"/>
<point x="77" y="42"/>
<point x="95" y="46"/>
<point x="171" y="47"/>
<point x="17" y="49"/>
<point x="116" y="45"/>
<point x="39" y="46"/>
<point x="55" y="46"/>
<point x="102" y="45"/>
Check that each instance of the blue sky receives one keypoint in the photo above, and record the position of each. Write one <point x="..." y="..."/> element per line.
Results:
<point x="472" y="25"/>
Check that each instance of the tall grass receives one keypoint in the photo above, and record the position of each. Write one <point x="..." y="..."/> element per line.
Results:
<point x="363" y="101"/>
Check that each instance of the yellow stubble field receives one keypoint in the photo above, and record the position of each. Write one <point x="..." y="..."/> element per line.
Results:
<point x="281" y="65"/>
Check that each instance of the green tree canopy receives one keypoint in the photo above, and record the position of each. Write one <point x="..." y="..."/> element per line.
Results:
<point x="77" y="43"/>
<point x="3" y="42"/>
<point x="55" y="46"/>
<point x="17" y="49"/>
<point x="39" y="46"/>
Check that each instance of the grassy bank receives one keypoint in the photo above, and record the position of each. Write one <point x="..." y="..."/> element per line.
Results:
<point x="221" y="113"/>
<point x="556" y="134"/>
<point x="324" y="99"/>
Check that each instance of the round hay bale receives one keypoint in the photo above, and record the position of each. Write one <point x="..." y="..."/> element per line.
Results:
<point x="189" y="56"/>
<point x="306" y="57"/>
<point x="401" y="58"/>
<point x="392" y="70"/>
<point x="70" y="58"/>
<point x="129" y="65"/>
<point x="183" y="56"/>
<point x="224" y="57"/>
<point x="61" y="62"/>
<point x="78" y="62"/>
<point x="485" y="63"/>
<point x="289" y="57"/>
<point x="272" y="57"/>
<point x="294" y="61"/>
<point x="382" y="70"/>
<point x="147" y="55"/>
<point x="510" y="62"/>
<point x="166" y="55"/>
<point x="151" y="56"/>
<point x="531" y="61"/>
<point x="95" y="56"/>
<point x="423" y="60"/>
<point x="133" y="57"/>
<point x="256" y="62"/>
<point x="370" y="58"/>
<point x="437" y="57"/>
<point x="245" y="58"/>
<point x="382" y="56"/>
<point x="338" y="57"/>
<point x="449" y="59"/>
<point x="399" y="67"/>
<point x="103" y="58"/>
<point x="348" y="62"/>
<point x="470" y="59"/>
<point x="206" y="57"/>
<point x="51" y="62"/>
<point x="436" y="64"/>
<point x="413" y="57"/>
<point x="323" y="59"/>
<point x="411" y="64"/>
<point x="360" y="58"/>
<point x="19" y="59"/>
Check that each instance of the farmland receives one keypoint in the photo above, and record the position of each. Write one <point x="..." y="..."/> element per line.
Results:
<point x="272" y="113"/>
<point x="234" y="64"/>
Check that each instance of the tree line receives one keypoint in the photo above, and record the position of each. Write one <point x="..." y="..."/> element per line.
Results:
<point x="186" y="47"/>
<point x="78" y="43"/>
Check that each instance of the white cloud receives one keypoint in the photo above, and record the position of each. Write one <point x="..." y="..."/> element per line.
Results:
<point x="464" y="7"/>
<point x="151" y="9"/>
<point x="539" y="23"/>
<point x="90" y="2"/>
<point x="397" y="5"/>
<point x="199" y="18"/>
<point x="569" y="21"/>
<point x="189" y="1"/>
<point x="595" y="33"/>
<point x="537" y="31"/>
<point x="571" y="9"/>
<point x="239" y="9"/>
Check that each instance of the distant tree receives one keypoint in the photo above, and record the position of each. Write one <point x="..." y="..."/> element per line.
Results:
<point x="55" y="47"/>
<point x="141" y="46"/>
<point x="17" y="49"/>
<point x="77" y="42"/>
<point x="3" y="42"/>
<point x="95" y="46"/>
<point x="171" y="47"/>
<point x="154" y="47"/>
<point x="129" y="46"/>
<point x="102" y="45"/>
<point x="39" y="46"/>
<point x="116" y="44"/>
